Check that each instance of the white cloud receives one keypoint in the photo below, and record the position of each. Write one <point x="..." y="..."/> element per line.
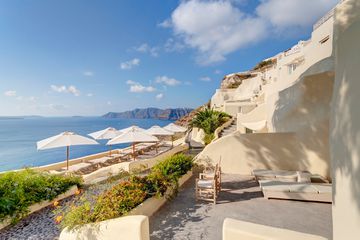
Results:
<point x="295" y="13"/>
<point x="74" y="90"/>
<point x="145" y="48"/>
<point x="165" y="24"/>
<point x="172" y="45"/>
<point x="167" y="81"/>
<point x="217" y="71"/>
<point x="205" y="79"/>
<point x="130" y="64"/>
<point x="10" y="93"/>
<point x="88" y="73"/>
<point x="63" y="89"/>
<point x="217" y="28"/>
<point x="159" y="96"/>
<point x="59" y="89"/>
<point x="136" y="87"/>
<point x="90" y="95"/>
<point x="109" y="103"/>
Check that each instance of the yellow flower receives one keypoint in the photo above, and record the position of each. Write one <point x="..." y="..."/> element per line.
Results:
<point x="58" y="219"/>
<point x="78" y="192"/>
<point x="56" y="203"/>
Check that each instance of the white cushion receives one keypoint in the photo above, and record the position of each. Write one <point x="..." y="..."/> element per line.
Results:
<point x="303" y="177"/>
<point x="205" y="183"/>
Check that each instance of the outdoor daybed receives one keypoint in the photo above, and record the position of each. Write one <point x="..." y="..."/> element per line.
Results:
<point x="287" y="176"/>
<point x="296" y="191"/>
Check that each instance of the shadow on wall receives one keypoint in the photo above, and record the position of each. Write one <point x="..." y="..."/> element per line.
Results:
<point x="345" y="117"/>
<point x="273" y="151"/>
<point x="304" y="108"/>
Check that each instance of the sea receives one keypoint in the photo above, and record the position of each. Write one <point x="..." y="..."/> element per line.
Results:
<point x="18" y="137"/>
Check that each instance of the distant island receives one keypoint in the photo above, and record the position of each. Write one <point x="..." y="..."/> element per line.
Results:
<point x="19" y="117"/>
<point x="151" y="113"/>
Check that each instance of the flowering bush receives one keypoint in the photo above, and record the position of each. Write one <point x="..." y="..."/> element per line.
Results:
<point x="126" y="195"/>
<point x="21" y="189"/>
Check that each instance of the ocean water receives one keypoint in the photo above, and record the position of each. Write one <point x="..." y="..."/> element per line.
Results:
<point x="18" y="138"/>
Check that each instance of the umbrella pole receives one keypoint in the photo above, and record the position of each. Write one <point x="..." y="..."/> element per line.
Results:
<point x="172" y="141"/>
<point x="109" y="150"/>
<point x="67" y="157"/>
<point x="133" y="146"/>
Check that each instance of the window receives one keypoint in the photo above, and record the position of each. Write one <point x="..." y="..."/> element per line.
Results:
<point x="324" y="40"/>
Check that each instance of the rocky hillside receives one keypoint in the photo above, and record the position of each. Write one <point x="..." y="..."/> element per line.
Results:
<point x="151" y="113"/>
<point x="234" y="80"/>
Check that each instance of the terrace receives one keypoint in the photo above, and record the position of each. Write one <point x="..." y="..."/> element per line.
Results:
<point x="240" y="198"/>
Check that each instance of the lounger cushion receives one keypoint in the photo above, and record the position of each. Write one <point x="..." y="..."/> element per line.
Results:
<point x="283" y="175"/>
<point x="205" y="183"/>
<point x="296" y="191"/>
<point x="303" y="177"/>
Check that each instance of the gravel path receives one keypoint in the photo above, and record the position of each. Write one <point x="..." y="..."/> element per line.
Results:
<point x="38" y="226"/>
<point x="41" y="225"/>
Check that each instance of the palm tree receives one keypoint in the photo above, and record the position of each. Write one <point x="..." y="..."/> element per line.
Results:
<point x="209" y="120"/>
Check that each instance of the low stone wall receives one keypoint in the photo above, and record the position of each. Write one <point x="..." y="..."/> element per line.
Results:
<point x="129" y="228"/>
<point x="38" y="206"/>
<point x="59" y="165"/>
<point x="222" y="127"/>
<point x="132" y="166"/>
<point x="152" y="205"/>
<point x="149" y="163"/>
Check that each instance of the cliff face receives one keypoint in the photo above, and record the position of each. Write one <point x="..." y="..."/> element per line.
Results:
<point x="234" y="80"/>
<point x="151" y="113"/>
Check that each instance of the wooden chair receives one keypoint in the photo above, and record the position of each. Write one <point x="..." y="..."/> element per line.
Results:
<point x="208" y="185"/>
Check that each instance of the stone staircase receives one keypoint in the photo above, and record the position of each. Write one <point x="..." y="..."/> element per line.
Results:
<point x="228" y="130"/>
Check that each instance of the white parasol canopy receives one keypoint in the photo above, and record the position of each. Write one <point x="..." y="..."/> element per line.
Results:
<point x="133" y="127"/>
<point x="175" y="128"/>
<point x="159" y="131"/>
<point x="65" y="139"/>
<point x="107" y="133"/>
<point x="133" y="135"/>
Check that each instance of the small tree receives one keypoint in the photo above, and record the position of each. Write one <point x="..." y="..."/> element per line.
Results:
<point x="209" y="120"/>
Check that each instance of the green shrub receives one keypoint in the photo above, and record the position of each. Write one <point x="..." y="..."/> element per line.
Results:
<point x="209" y="120"/>
<point x="208" y="138"/>
<point x="125" y="196"/>
<point x="21" y="189"/>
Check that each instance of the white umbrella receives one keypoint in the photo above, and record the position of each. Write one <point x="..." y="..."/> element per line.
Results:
<point x="107" y="133"/>
<point x="65" y="139"/>
<point x="133" y="135"/>
<point x="174" y="128"/>
<point x="159" y="131"/>
<point x="133" y="127"/>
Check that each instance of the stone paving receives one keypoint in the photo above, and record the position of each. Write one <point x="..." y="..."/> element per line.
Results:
<point x="241" y="198"/>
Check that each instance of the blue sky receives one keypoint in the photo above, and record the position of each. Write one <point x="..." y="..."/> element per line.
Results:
<point x="63" y="58"/>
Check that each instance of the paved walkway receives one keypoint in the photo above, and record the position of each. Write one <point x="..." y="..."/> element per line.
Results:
<point x="241" y="199"/>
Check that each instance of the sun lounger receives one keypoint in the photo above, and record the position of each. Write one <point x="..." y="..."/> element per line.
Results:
<point x="98" y="161"/>
<point x="78" y="167"/>
<point x="283" y="175"/>
<point x="296" y="191"/>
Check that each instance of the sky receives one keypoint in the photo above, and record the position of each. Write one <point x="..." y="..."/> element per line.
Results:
<point x="89" y="57"/>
